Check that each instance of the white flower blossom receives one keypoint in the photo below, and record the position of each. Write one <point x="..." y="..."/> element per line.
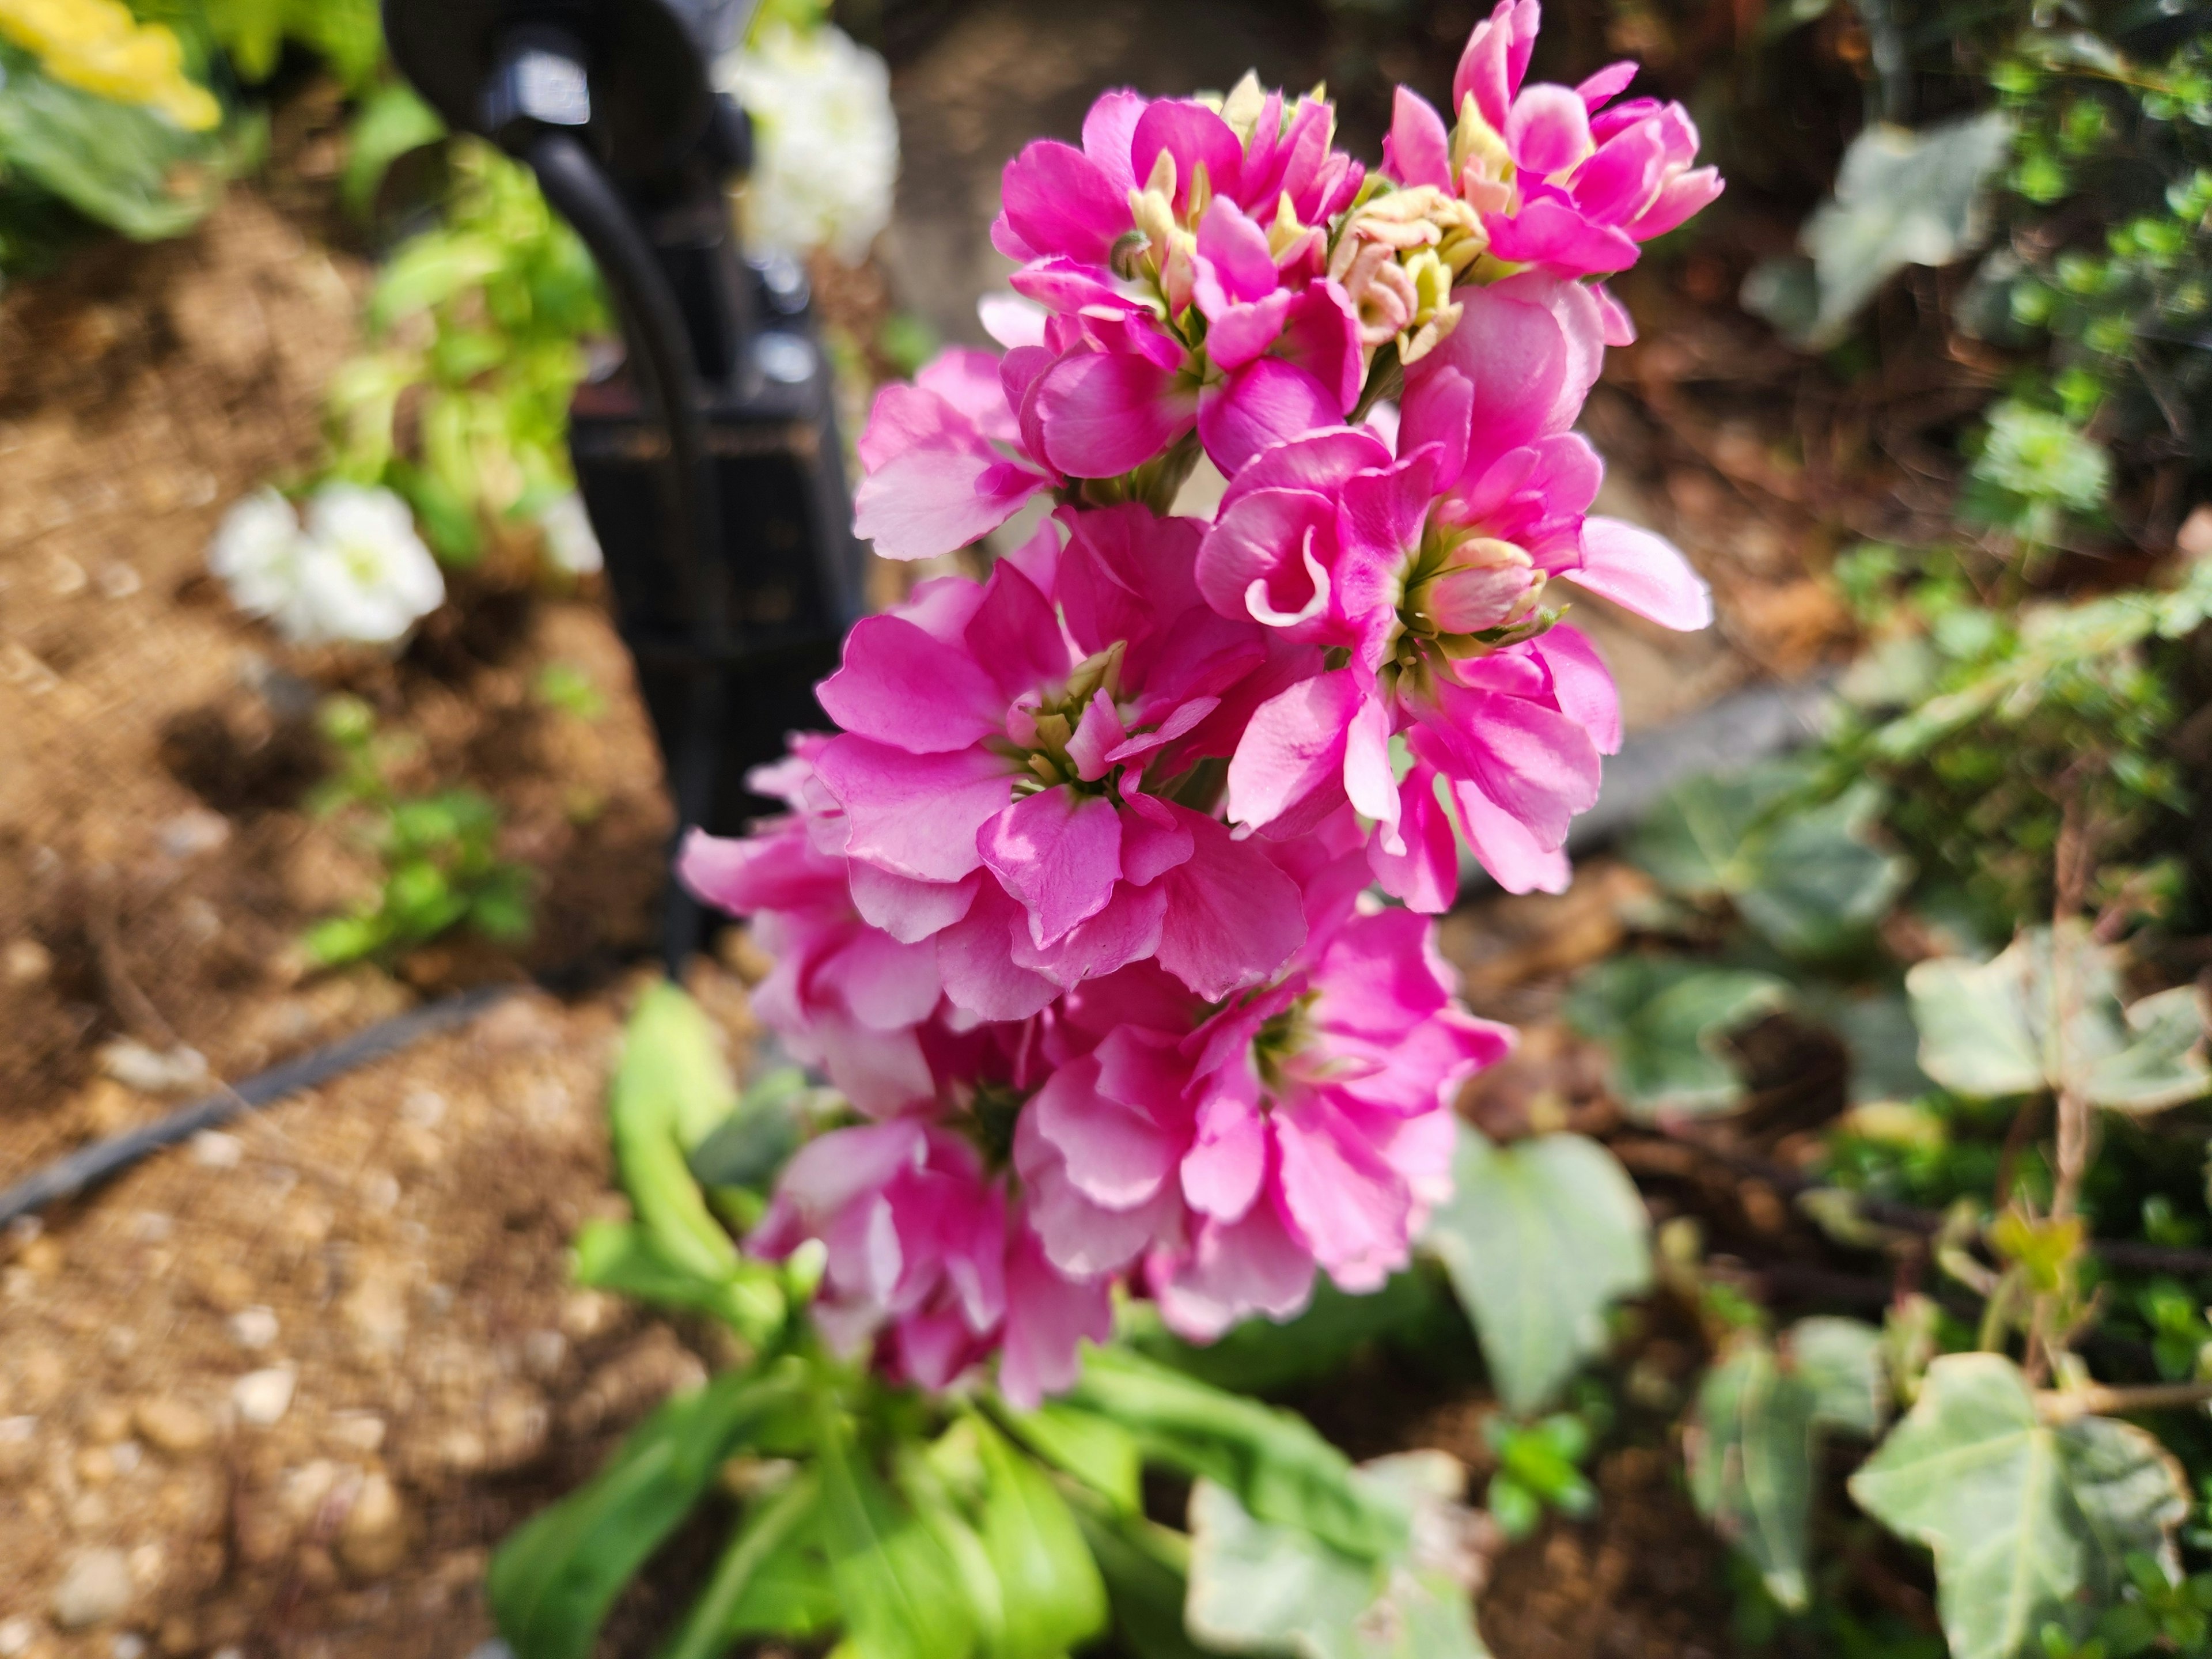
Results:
<point x="355" y="571"/>
<point x="570" y="544"/>
<point x="826" y="151"/>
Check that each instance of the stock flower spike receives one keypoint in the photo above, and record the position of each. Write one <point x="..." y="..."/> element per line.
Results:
<point x="1076" y="907"/>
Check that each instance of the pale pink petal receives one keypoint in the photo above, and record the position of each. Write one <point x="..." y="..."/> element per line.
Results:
<point x="1059" y="853"/>
<point x="1293" y="746"/>
<point x="1619" y="326"/>
<point x="1241" y="332"/>
<point x="1228" y="1155"/>
<point x="899" y="686"/>
<point x="1108" y="129"/>
<point x="1057" y="200"/>
<point x="1262" y="403"/>
<point x="908" y="909"/>
<point x="1115" y="1153"/>
<point x="916" y="815"/>
<point x="1547" y="131"/>
<point x="975" y="959"/>
<point x="1105" y="413"/>
<point x="1642" y="573"/>
<point x="1048" y="1318"/>
<point x="1345" y="1204"/>
<point x="938" y="497"/>
<point x="1417" y="151"/>
<point x="1250" y="1265"/>
<point x="1582" y="684"/>
<point x="969" y="380"/>
<point x="1607" y="83"/>
<point x="1426" y="876"/>
<point x="1232" y="916"/>
<point x="1235" y="264"/>
<point x="1011" y="321"/>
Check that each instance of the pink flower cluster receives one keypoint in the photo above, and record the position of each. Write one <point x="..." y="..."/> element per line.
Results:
<point x="1078" y="907"/>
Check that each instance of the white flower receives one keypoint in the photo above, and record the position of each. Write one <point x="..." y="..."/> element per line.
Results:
<point x="826" y="151"/>
<point x="569" y="542"/>
<point x="357" y="571"/>
<point x="255" y="552"/>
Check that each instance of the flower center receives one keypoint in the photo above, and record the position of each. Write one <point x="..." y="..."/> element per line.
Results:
<point x="1463" y="594"/>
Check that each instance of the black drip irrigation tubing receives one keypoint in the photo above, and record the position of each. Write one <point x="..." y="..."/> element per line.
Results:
<point x="1722" y="736"/>
<point x="90" y="1165"/>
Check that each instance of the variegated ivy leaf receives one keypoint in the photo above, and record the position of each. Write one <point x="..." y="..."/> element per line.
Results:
<point x="1662" y="1021"/>
<point x="2046" y="1014"/>
<point x="2030" y="1522"/>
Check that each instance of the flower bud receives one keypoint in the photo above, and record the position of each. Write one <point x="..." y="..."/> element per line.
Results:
<point x="1488" y="584"/>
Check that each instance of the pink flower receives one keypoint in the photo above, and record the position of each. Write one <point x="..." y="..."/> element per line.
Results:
<point x="1181" y="256"/>
<point x="1305" y="1126"/>
<point x="1417" y="581"/>
<point x="1006" y="781"/>
<point x="1564" y="179"/>
<point x="943" y="460"/>
<point x="924" y="1246"/>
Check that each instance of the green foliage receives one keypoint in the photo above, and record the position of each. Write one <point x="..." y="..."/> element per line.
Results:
<point x="478" y="327"/>
<point x="347" y="35"/>
<point x="1753" y="1443"/>
<point x="2046" y="1015"/>
<point x="441" y="867"/>
<point x="120" y="165"/>
<point x="1662" y="1022"/>
<point x="1539" y="1237"/>
<point x="2036" y="469"/>
<point x="2032" y="1520"/>
<point x="1539" y="1467"/>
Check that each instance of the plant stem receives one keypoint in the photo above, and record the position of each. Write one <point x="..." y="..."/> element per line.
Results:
<point x="2103" y="1400"/>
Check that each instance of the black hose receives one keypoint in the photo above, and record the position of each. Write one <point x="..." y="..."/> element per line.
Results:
<point x="659" y="347"/>
<point x="103" y="1159"/>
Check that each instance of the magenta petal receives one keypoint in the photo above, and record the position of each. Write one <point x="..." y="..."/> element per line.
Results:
<point x="1424" y="878"/>
<point x="1417" y="151"/>
<point x="1059" y="853"/>
<point x="1115" y="1153"/>
<point x="1679" y="198"/>
<point x="1317" y="462"/>
<point x="1619" y="326"/>
<point x="1049" y="1317"/>
<point x="1105" y="413"/>
<point x="915" y="815"/>
<point x="1228" y="1156"/>
<point x="1097" y="738"/>
<point x="1262" y="403"/>
<point x="887" y="985"/>
<point x="1107" y="132"/>
<point x="1607" y="83"/>
<point x="1643" y="573"/>
<point x="1196" y="137"/>
<point x="1128" y="930"/>
<point x="908" y="909"/>
<point x="1242" y="267"/>
<point x="1321" y="336"/>
<point x="1582" y="685"/>
<point x="1241" y="332"/>
<point x="1059" y="201"/>
<point x="1503" y="846"/>
<point x="1293" y="746"/>
<point x="1235" y="1269"/>
<point x="969" y="380"/>
<point x="975" y="958"/>
<point x="1154" y="840"/>
<point x="1438" y="409"/>
<point x="1264" y="537"/>
<point x="1536" y="762"/>
<point x="1232" y="918"/>
<point x="1616" y="183"/>
<point x="938" y="497"/>
<point x="899" y="686"/>
<point x="1547" y="131"/>
<point x="1347" y="1204"/>
<point x="1553" y="234"/>
<point x="1013" y="635"/>
<point x="1483" y="69"/>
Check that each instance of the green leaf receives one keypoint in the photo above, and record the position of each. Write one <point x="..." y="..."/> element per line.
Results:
<point x="1539" y="1237"/>
<point x="1878" y="1035"/>
<point x="670" y="1089"/>
<point x="1051" y="1598"/>
<point x="1258" y="1588"/>
<point x="2046" y="1014"/>
<point x="392" y="121"/>
<point x="1840" y="1362"/>
<point x="552" y="1582"/>
<point x="900" y="1593"/>
<point x="627" y="1259"/>
<point x="1696" y="841"/>
<point x="718" y="1616"/>
<point x="2030" y="1522"/>
<point x="1145" y="1568"/>
<point x="747" y="1148"/>
<point x="1662" y="1020"/>
<point x="125" y="167"/>
<point x="1277" y="1465"/>
<point x="1259" y="1356"/>
<point x="1749" y="1447"/>
<point x="1901" y="197"/>
<point x="1103" y="1456"/>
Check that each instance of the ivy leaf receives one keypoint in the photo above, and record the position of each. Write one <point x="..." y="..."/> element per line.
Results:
<point x="900" y="1593"/>
<point x="1902" y="198"/>
<point x="1539" y="1237"/>
<point x="1278" y="1469"/>
<point x="1662" y="1020"/>
<point x="1051" y="1598"/>
<point x="1749" y="1448"/>
<point x="671" y="1089"/>
<point x="2030" y="1522"/>
<point x="1807" y="880"/>
<point x="1878" y="1035"/>
<point x="552" y="1582"/>
<point x="2046" y="1014"/>
<point x="1752" y="1444"/>
<point x="1257" y="1588"/>
<point x="1147" y="1568"/>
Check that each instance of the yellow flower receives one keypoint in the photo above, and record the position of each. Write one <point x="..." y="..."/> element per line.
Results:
<point x="97" y="46"/>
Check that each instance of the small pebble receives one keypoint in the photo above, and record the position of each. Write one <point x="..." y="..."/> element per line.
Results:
<point x="254" y="1327"/>
<point x="130" y="1645"/>
<point x="16" y="1635"/>
<point x="194" y="831"/>
<point x="263" y="1397"/>
<point x="214" y="1150"/>
<point x="173" y="1427"/>
<point x="95" y="1587"/>
<point x="152" y="1070"/>
<point x="26" y="962"/>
